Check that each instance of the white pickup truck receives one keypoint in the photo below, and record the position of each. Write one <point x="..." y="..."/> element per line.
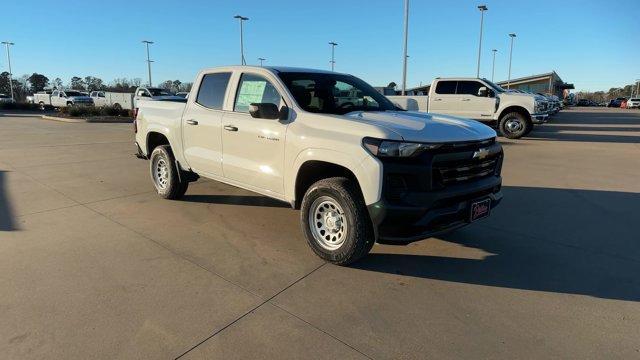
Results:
<point x="513" y="113"/>
<point x="62" y="98"/>
<point x="115" y="99"/>
<point x="360" y="169"/>
<point x="153" y="94"/>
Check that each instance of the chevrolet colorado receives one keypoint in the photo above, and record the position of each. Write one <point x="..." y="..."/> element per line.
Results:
<point x="360" y="169"/>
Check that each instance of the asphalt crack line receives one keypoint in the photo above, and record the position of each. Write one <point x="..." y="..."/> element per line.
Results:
<point x="250" y="311"/>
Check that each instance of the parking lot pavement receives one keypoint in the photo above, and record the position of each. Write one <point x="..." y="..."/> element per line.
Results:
<point x="94" y="265"/>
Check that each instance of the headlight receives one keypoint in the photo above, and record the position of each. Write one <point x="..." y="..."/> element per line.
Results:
<point x="390" y="148"/>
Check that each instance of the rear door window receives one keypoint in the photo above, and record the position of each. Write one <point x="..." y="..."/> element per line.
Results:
<point x="446" y="87"/>
<point x="212" y="90"/>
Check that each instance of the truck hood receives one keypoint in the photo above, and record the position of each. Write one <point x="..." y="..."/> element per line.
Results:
<point x="520" y="97"/>
<point x="426" y="127"/>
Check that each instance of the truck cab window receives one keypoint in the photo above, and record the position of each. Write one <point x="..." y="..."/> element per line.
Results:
<point x="446" y="87"/>
<point x="212" y="90"/>
<point x="255" y="89"/>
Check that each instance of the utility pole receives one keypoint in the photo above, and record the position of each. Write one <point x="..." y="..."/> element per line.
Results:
<point x="493" y="68"/>
<point x="512" y="35"/>
<point x="7" y="44"/>
<point x="482" y="9"/>
<point x="261" y="60"/>
<point x="149" y="61"/>
<point x="637" y="87"/>
<point x="333" y="54"/>
<point x="405" y="56"/>
<point x="242" y="19"/>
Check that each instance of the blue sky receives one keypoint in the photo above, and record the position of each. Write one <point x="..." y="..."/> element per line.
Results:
<point x="589" y="43"/>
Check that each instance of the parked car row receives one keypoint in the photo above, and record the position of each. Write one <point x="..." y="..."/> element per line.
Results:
<point x="6" y="99"/>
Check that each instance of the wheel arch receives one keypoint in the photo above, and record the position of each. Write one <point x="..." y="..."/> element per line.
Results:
<point x="515" y="108"/>
<point x="155" y="139"/>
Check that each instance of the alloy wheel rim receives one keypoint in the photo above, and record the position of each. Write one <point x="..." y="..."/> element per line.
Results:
<point x="328" y="223"/>
<point x="514" y="125"/>
<point x="161" y="174"/>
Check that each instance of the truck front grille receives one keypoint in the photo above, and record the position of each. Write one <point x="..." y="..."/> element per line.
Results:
<point x="462" y="171"/>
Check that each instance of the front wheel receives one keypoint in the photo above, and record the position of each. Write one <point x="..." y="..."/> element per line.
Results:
<point x="514" y="125"/>
<point x="335" y="221"/>
<point x="164" y="174"/>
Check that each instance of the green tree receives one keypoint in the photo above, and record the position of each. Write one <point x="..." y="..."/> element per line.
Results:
<point x="93" y="83"/>
<point x="77" y="83"/>
<point x="38" y="82"/>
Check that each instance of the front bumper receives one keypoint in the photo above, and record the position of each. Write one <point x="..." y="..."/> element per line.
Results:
<point x="424" y="207"/>
<point x="539" y="118"/>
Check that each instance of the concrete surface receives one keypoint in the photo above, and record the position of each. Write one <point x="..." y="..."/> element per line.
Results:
<point x="94" y="265"/>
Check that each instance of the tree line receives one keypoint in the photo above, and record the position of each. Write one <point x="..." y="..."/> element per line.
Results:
<point x="30" y="84"/>
<point x="603" y="96"/>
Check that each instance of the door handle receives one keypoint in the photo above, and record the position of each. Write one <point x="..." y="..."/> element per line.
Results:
<point x="437" y="99"/>
<point x="466" y="99"/>
<point x="192" y="122"/>
<point x="230" y="128"/>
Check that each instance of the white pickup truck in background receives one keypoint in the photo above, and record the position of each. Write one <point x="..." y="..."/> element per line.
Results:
<point x="513" y="113"/>
<point x="115" y="99"/>
<point x="62" y="98"/>
<point x="359" y="168"/>
<point x="144" y="93"/>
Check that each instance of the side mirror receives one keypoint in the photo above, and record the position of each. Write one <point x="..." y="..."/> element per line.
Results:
<point x="483" y="91"/>
<point x="266" y="111"/>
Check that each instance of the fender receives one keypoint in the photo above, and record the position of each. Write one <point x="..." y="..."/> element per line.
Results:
<point x="366" y="168"/>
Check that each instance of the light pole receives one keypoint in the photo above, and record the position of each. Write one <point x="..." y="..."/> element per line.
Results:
<point x="333" y="54"/>
<point x="261" y="60"/>
<point x="637" y="87"/>
<point x="493" y="67"/>
<point x="149" y="61"/>
<point x="242" y="19"/>
<point x="406" y="38"/>
<point x="512" y="36"/>
<point x="482" y="9"/>
<point x="7" y="44"/>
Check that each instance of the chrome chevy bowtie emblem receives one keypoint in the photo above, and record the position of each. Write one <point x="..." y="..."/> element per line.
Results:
<point x="480" y="154"/>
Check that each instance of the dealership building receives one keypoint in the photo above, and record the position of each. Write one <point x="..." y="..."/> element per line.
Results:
<point x="549" y="83"/>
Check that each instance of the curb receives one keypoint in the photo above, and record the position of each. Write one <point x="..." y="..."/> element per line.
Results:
<point x="84" y="120"/>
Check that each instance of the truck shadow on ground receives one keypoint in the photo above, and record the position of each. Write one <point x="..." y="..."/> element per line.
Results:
<point x="7" y="221"/>
<point x="554" y="240"/>
<point x="245" y="200"/>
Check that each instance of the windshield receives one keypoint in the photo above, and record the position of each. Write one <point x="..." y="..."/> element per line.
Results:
<point x="495" y="87"/>
<point x="334" y="93"/>
<point x="159" y="92"/>
<point x="73" y="93"/>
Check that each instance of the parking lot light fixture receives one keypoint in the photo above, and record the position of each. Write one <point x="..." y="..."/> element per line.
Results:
<point x="333" y="54"/>
<point x="7" y="44"/>
<point x="261" y="60"/>
<point x="482" y="9"/>
<point x="404" y="55"/>
<point x="241" y="19"/>
<point x="493" y="67"/>
<point x="149" y="61"/>
<point x="512" y="36"/>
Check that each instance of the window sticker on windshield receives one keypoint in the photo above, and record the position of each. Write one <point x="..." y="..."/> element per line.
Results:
<point x="250" y="92"/>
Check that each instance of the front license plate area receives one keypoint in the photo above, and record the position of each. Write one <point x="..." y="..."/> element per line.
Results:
<point x="479" y="210"/>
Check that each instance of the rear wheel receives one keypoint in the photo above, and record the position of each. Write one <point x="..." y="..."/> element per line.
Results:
<point x="514" y="125"/>
<point x="41" y="104"/>
<point x="164" y="174"/>
<point x="335" y="221"/>
<point x="117" y="106"/>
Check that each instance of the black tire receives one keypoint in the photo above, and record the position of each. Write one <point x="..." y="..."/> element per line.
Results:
<point x="358" y="234"/>
<point x="117" y="106"/>
<point x="166" y="182"/>
<point x="514" y="125"/>
<point x="42" y="107"/>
